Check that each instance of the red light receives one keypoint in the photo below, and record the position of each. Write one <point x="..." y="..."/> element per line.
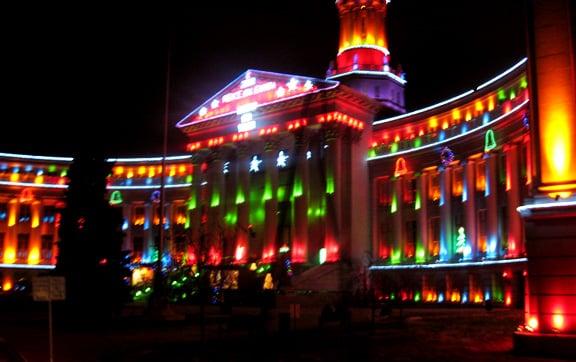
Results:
<point x="103" y="261"/>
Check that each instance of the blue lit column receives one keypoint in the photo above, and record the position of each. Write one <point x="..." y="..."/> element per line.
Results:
<point x="469" y="200"/>
<point x="493" y="242"/>
<point x="446" y="228"/>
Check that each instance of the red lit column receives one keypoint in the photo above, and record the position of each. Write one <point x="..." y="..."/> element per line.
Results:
<point x="422" y="251"/>
<point x="300" y="193"/>
<point x="493" y="243"/>
<point x="513" y="200"/>
<point x="242" y="200"/>
<point x="397" y="210"/>
<point x="269" y="247"/>
<point x="446" y="228"/>
<point x="332" y="155"/>
<point x="469" y="200"/>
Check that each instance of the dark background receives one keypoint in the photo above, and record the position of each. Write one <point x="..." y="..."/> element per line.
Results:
<point x="93" y="76"/>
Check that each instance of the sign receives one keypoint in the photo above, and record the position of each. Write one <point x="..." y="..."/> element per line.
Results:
<point x="46" y="289"/>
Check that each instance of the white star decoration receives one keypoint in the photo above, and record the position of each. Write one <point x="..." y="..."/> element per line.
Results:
<point x="281" y="160"/>
<point x="292" y="84"/>
<point x="255" y="164"/>
<point x="308" y="85"/>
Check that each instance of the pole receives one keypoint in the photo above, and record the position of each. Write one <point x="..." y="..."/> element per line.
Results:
<point x="50" y="339"/>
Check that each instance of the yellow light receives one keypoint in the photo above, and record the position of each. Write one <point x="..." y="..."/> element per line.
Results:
<point x="253" y="266"/>
<point x="7" y="285"/>
<point x="433" y="122"/>
<point x="141" y="170"/>
<point x="558" y="321"/>
<point x="491" y="103"/>
<point x="14" y="177"/>
<point x="118" y="170"/>
<point x="151" y="171"/>
<point x="130" y="173"/>
<point x="533" y="323"/>
<point x="172" y="171"/>
<point x="34" y="256"/>
<point x="12" y="213"/>
<point x="182" y="169"/>
<point x="9" y="255"/>
<point x="456" y="114"/>
<point x="39" y="179"/>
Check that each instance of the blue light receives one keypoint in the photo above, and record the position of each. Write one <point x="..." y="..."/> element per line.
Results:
<point x="465" y="297"/>
<point x="170" y="179"/>
<point x="16" y="169"/>
<point x="125" y="225"/>
<point x="129" y="182"/>
<point x="28" y="168"/>
<point x="441" y="136"/>
<point x="486" y="118"/>
<point x="487" y="295"/>
<point x="149" y="181"/>
<point x="146" y="224"/>
<point x="440" y="297"/>
<point x="3" y="167"/>
<point x="464" y="128"/>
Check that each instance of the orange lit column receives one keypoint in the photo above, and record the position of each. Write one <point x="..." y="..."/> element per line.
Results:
<point x="469" y="200"/>
<point x="550" y="312"/>
<point x="446" y="228"/>
<point x="269" y="247"/>
<point x="300" y="194"/>
<point x="397" y="210"/>
<point x="332" y="156"/>
<point x="10" y="242"/>
<point x="422" y="251"/>
<point x="513" y="199"/>
<point x="493" y="243"/>
<point x="215" y="207"/>
<point x="243" y="246"/>
<point x="35" y="233"/>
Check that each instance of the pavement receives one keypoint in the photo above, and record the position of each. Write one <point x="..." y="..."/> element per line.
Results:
<point x="249" y="334"/>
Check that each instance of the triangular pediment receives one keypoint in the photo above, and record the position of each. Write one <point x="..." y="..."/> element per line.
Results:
<point x="252" y="90"/>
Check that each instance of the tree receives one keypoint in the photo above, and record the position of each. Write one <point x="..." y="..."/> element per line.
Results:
<point x="90" y="255"/>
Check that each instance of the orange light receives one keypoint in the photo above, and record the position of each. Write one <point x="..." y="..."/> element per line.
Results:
<point x="130" y="173"/>
<point x="7" y="285"/>
<point x="34" y="256"/>
<point x="9" y="255"/>
<point x="400" y="168"/>
<point x="118" y="170"/>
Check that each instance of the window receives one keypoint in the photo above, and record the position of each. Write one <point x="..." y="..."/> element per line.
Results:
<point x="49" y="214"/>
<point x="3" y="211"/>
<point x="434" y="187"/>
<point x="24" y="212"/>
<point x="481" y="227"/>
<point x="47" y="244"/>
<point x="22" y="247"/>
<point x="457" y="184"/>
<point x="139" y="216"/>
<point x="434" y="243"/>
<point x="1" y="245"/>
<point x="137" y="247"/>
<point x="382" y="186"/>
<point x="480" y="176"/>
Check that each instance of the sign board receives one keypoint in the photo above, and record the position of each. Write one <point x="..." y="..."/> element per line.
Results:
<point x="46" y="289"/>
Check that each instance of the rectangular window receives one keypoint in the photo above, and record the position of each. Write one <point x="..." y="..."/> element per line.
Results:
<point x="22" y="247"/>
<point x="2" y="245"/>
<point x="457" y="183"/>
<point x="139" y="216"/>
<point x="24" y="212"/>
<point x="481" y="227"/>
<point x="411" y="231"/>
<point x="47" y="245"/>
<point x="434" y="186"/>
<point x="49" y="214"/>
<point x="434" y="243"/>
<point x="382" y="186"/>
<point x="137" y="247"/>
<point x="3" y="211"/>
<point x="480" y="176"/>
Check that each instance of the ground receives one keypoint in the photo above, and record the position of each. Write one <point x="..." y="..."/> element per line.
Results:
<point x="241" y="334"/>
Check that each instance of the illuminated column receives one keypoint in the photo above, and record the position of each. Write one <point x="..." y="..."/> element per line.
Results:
<point x="550" y="311"/>
<point x="333" y="191"/>
<point x="10" y="242"/>
<point x="35" y="233"/>
<point x="300" y="196"/>
<point x="127" y="215"/>
<point x="493" y="243"/>
<point x="269" y="247"/>
<point x="150" y="245"/>
<point x="469" y="200"/>
<point x="397" y="210"/>
<point x="168" y="228"/>
<point x="243" y="246"/>
<point x="421" y="206"/>
<point x="215" y="207"/>
<point x="513" y="200"/>
<point x="446" y="228"/>
<point x="195" y="210"/>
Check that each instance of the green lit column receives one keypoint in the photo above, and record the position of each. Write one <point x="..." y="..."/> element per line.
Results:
<point x="397" y="210"/>
<point x="513" y="201"/>
<point x="270" y="197"/>
<point x="421" y="206"/>
<point x="195" y="210"/>
<point x="300" y="199"/>
<point x="215" y="206"/>
<point x="243" y="246"/>
<point x="332" y="151"/>
<point x="469" y="200"/>
<point x="493" y="243"/>
<point x="446" y="222"/>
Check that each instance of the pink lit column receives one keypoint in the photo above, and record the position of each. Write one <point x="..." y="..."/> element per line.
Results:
<point x="513" y="199"/>
<point x="469" y="200"/>
<point x="493" y="243"/>
<point x="446" y="222"/>
<point x="215" y="206"/>
<point x="242" y="201"/>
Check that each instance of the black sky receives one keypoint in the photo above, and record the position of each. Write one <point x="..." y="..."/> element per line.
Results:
<point x="94" y="76"/>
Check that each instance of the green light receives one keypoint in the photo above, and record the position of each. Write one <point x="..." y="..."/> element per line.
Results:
<point x="523" y="83"/>
<point x="512" y="94"/>
<point x="116" y="198"/>
<point x="138" y="293"/>
<point x="298" y="189"/>
<point x="392" y="296"/>
<point x="460" y="240"/>
<point x="215" y="201"/>
<point x="192" y="202"/>
<point x="396" y="257"/>
<point x="330" y="183"/>
<point x="322" y="255"/>
<point x="394" y="147"/>
<point x="52" y="168"/>
<point x="240" y="197"/>
<point x="147" y="290"/>
<point x="310" y="211"/>
<point x="420" y="254"/>
<point x="489" y="141"/>
<point x="417" y="297"/>
<point x="417" y="202"/>
<point x="187" y="223"/>
<point x="372" y="152"/>
<point x="281" y="193"/>
<point x="231" y="218"/>
<point x="189" y="179"/>
<point x="267" y="191"/>
<point x="417" y="142"/>
<point x="501" y="95"/>
<point x="394" y="204"/>
<point x="64" y="173"/>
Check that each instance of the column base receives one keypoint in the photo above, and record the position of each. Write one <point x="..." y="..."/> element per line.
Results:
<point x="550" y="345"/>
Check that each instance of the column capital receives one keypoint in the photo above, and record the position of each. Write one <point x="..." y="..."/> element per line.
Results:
<point x="271" y="143"/>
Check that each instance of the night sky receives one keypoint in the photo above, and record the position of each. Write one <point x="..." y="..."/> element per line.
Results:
<point x="93" y="78"/>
